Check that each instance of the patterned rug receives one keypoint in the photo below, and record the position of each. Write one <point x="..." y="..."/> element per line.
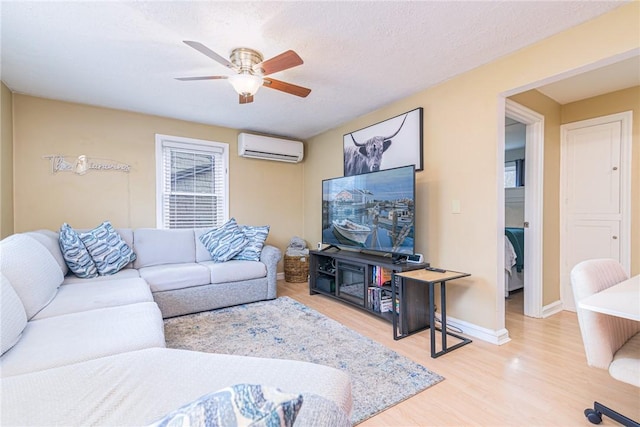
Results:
<point x="285" y="329"/>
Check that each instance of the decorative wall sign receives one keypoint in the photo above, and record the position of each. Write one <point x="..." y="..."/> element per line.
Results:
<point x="389" y="144"/>
<point x="83" y="164"/>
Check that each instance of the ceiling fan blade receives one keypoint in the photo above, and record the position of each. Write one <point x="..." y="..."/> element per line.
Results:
<point x="186" y="79"/>
<point x="245" y="99"/>
<point x="286" y="87"/>
<point x="285" y="60"/>
<point x="211" y="54"/>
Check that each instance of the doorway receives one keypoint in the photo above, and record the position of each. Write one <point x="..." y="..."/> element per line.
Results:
<point x="514" y="190"/>
<point x="533" y="205"/>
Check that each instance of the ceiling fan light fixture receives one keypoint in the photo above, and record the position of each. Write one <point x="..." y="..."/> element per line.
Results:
<point x="245" y="83"/>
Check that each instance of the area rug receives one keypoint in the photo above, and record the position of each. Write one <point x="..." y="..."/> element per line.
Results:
<point x="285" y="329"/>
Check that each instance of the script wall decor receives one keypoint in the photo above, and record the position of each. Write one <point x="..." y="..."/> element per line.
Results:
<point x="83" y="164"/>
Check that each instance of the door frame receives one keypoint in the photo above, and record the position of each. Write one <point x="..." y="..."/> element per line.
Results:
<point x="626" y="119"/>
<point x="533" y="205"/>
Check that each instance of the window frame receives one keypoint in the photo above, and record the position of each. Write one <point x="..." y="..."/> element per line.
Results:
<point x="511" y="165"/>
<point x="517" y="165"/>
<point x="187" y="144"/>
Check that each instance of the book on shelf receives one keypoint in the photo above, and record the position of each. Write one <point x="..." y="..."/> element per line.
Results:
<point x="381" y="275"/>
<point x="379" y="299"/>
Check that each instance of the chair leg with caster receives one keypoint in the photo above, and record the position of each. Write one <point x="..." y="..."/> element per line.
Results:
<point x="595" y="415"/>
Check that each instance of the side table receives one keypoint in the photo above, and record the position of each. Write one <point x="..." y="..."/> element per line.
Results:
<point x="399" y="284"/>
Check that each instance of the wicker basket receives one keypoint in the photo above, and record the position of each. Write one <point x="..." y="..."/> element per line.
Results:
<point x="296" y="268"/>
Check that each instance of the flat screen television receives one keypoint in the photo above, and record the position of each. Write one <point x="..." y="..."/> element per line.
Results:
<point x="374" y="211"/>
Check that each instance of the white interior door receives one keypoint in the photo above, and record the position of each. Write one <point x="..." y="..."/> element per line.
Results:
<point x="595" y="165"/>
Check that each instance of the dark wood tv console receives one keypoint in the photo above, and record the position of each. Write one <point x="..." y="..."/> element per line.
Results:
<point x="355" y="278"/>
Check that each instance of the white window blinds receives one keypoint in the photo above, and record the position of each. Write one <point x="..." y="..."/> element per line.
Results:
<point x="194" y="190"/>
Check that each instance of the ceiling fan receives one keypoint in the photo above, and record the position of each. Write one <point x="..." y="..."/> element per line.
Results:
<point x="252" y="71"/>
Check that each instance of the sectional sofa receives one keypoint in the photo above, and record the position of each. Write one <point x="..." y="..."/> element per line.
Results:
<point x="92" y="351"/>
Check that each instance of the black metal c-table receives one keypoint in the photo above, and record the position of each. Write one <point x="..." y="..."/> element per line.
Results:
<point x="402" y="328"/>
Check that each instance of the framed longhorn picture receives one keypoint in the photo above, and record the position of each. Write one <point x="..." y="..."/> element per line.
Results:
<point x="389" y="144"/>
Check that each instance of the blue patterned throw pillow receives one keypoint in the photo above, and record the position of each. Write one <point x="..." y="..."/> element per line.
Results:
<point x="224" y="242"/>
<point x="238" y="405"/>
<point x="107" y="249"/>
<point x="76" y="254"/>
<point x="256" y="237"/>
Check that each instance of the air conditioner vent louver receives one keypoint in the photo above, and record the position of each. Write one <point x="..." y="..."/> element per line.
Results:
<point x="270" y="148"/>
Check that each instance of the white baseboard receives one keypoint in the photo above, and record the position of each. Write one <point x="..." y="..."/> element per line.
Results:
<point x="497" y="337"/>
<point x="280" y="276"/>
<point x="501" y="336"/>
<point x="551" y="309"/>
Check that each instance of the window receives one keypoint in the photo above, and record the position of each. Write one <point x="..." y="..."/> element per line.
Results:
<point x="191" y="182"/>
<point x="510" y="174"/>
<point x="514" y="173"/>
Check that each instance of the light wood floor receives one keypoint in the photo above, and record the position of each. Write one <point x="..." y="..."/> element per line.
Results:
<point x="540" y="378"/>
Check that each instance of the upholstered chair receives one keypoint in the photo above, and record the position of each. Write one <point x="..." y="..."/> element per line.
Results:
<point x="610" y="342"/>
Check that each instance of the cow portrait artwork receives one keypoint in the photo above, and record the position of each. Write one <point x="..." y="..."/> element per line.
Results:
<point x="365" y="154"/>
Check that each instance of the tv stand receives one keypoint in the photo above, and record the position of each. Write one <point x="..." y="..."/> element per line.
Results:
<point x="398" y="259"/>
<point x="330" y="247"/>
<point x="363" y="280"/>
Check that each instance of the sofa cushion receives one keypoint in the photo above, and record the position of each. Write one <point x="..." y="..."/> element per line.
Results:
<point x="92" y="294"/>
<point x="13" y="318"/>
<point x="175" y="276"/>
<point x="32" y="271"/>
<point x="235" y="270"/>
<point x="625" y="366"/>
<point x="154" y="246"/>
<point x="224" y="242"/>
<point x="139" y="387"/>
<point x="125" y="273"/>
<point x="51" y="241"/>
<point x="108" y="250"/>
<point x="71" y="338"/>
<point x="250" y="405"/>
<point x="76" y="254"/>
<point x="256" y="237"/>
<point x="202" y="254"/>
<point x="127" y="235"/>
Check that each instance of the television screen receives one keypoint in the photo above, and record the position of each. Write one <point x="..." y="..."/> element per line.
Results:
<point x="373" y="211"/>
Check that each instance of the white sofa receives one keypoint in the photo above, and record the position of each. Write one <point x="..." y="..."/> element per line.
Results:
<point x="91" y="351"/>
<point x="180" y="273"/>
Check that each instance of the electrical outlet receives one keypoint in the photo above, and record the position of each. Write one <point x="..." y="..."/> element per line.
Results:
<point x="455" y="206"/>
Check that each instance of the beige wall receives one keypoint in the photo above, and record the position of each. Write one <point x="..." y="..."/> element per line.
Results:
<point x="6" y="161"/>
<point x="550" y="109"/>
<point x="617" y="102"/>
<point x="261" y="192"/>
<point x="462" y="121"/>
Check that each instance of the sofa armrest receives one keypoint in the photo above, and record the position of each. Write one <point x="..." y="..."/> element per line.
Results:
<point x="270" y="256"/>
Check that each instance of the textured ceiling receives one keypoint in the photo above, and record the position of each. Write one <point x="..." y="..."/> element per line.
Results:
<point x="358" y="56"/>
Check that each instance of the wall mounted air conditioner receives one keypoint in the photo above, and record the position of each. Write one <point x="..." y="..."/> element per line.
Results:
<point x="269" y="148"/>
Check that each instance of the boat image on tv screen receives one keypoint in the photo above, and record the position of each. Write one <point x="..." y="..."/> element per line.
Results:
<point x="373" y="211"/>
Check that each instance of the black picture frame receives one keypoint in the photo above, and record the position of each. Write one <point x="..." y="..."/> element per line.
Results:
<point x="388" y="144"/>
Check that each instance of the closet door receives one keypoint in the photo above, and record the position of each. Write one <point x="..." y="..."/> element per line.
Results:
<point x="593" y="195"/>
